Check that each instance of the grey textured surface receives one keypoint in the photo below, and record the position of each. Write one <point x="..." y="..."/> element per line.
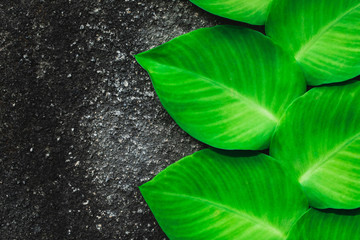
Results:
<point x="80" y="125"/>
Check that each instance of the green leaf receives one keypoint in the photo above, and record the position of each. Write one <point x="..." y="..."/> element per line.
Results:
<point x="331" y="225"/>
<point x="226" y="86"/>
<point x="249" y="11"/>
<point x="323" y="35"/>
<point x="225" y="195"/>
<point x="319" y="136"/>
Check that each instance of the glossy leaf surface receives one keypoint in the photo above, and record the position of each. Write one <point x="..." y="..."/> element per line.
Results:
<point x="226" y="86"/>
<point x="249" y="11"/>
<point x="316" y="225"/>
<point x="225" y="195"/>
<point x="323" y="35"/>
<point x="319" y="136"/>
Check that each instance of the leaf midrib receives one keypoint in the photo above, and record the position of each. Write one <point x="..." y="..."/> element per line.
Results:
<point x="254" y="220"/>
<point x="307" y="175"/>
<point x="262" y="110"/>
<point x="297" y="220"/>
<point x="305" y="48"/>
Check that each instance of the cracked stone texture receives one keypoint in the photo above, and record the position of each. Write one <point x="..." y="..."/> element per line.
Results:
<point x="80" y="124"/>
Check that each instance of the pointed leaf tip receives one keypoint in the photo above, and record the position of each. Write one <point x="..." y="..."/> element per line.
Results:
<point x="216" y="195"/>
<point x="226" y="86"/>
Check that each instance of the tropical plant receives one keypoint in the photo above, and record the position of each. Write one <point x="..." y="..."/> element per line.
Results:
<point x="234" y="88"/>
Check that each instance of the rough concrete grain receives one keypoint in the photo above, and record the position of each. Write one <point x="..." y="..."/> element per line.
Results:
<point x="80" y="125"/>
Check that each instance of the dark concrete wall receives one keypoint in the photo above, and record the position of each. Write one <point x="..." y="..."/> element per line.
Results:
<point x="80" y="125"/>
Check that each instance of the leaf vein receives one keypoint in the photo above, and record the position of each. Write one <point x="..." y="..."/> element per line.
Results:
<point x="262" y="110"/>
<point x="305" y="48"/>
<point x="307" y="175"/>
<point x="254" y="220"/>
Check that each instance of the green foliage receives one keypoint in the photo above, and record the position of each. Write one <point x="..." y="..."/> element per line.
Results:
<point x="329" y="225"/>
<point x="253" y="12"/>
<point x="319" y="137"/>
<point x="323" y="35"/>
<point x="226" y="86"/>
<point x="234" y="88"/>
<point x="230" y="195"/>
